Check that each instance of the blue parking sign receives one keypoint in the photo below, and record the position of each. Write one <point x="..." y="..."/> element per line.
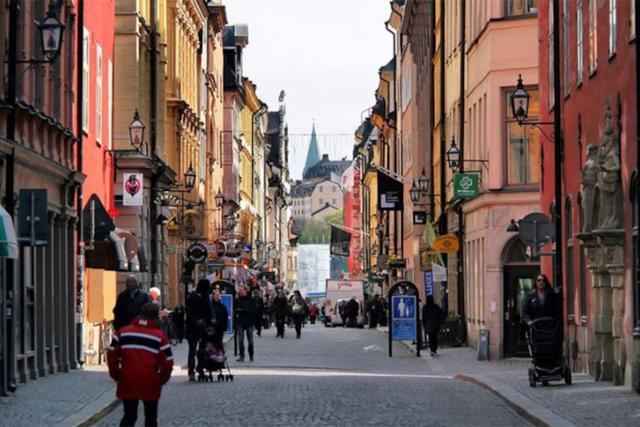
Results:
<point x="227" y="300"/>
<point x="403" y="317"/>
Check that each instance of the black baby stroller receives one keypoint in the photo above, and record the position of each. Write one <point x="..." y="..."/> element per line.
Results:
<point x="212" y="358"/>
<point x="544" y="339"/>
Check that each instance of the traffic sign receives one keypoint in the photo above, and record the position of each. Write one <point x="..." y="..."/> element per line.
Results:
<point x="403" y="316"/>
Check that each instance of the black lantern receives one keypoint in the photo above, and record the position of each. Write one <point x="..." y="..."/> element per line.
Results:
<point x="374" y="249"/>
<point x="386" y="241"/>
<point x="51" y="31"/>
<point x="189" y="178"/>
<point x="219" y="199"/>
<point x="136" y="131"/>
<point x="414" y="193"/>
<point x="423" y="182"/>
<point x="453" y="155"/>
<point x="520" y="102"/>
<point x="380" y="228"/>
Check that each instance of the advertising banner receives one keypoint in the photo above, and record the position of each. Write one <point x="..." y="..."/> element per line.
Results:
<point x="340" y="240"/>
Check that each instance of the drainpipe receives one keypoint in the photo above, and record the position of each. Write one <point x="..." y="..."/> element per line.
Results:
<point x="432" y="201"/>
<point x="443" y="143"/>
<point x="153" y="209"/>
<point x="460" y="261"/>
<point x="80" y="195"/>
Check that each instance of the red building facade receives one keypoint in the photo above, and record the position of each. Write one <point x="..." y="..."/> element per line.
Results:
<point x="599" y="116"/>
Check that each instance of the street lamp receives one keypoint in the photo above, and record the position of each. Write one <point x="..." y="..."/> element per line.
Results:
<point x="423" y="182"/>
<point x="189" y="178"/>
<point x="520" y="102"/>
<point x="51" y="31"/>
<point x="414" y="193"/>
<point x="453" y="155"/>
<point x="380" y="228"/>
<point x="219" y="198"/>
<point x="136" y="131"/>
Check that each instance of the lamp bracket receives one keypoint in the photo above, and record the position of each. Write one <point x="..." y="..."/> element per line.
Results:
<point x="538" y="125"/>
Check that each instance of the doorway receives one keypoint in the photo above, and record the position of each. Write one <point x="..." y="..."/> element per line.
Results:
<point x="519" y="277"/>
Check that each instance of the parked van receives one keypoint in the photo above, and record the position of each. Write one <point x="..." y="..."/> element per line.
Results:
<point x="341" y="291"/>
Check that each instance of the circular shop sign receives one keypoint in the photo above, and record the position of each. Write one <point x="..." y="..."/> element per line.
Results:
<point x="197" y="253"/>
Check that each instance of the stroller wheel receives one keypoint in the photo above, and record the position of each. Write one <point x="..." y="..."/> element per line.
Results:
<point x="532" y="378"/>
<point x="230" y="378"/>
<point x="567" y="375"/>
<point x="220" y="378"/>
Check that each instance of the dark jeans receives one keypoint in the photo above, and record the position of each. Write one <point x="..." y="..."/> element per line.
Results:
<point x="241" y="331"/>
<point x="280" y="326"/>
<point x="131" y="413"/>
<point x="433" y="341"/>
<point x="297" y="323"/>
<point x="258" y="325"/>
<point x="192" y="339"/>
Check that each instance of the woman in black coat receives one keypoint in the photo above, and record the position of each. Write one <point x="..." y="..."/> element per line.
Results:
<point x="542" y="301"/>
<point x="432" y="318"/>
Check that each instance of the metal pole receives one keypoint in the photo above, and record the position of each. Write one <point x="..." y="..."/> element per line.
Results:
<point x="390" y="323"/>
<point x="558" y="150"/>
<point x="7" y="379"/>
<point x="153" y="210"/>
<point x="80" y="198"/>
<point x="460" y="261"/>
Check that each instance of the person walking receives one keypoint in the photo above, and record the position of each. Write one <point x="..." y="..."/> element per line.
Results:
<point x="219" y="318"/>
<point x="351" y="310"/>
<point x="313" y="313"/>
<point x="375" y="308"/>
<point x="198" y="316"/>
<point x="178" y="323"/>
<point x="298" y="312"/>
<point x="432" y="319"/>
<point x="542" y="301"/>
<point x="129" y="303"/>
<point x="280" y="310"/>
<point x="246" y="309"/>
<point x="140" y="361"/>
<point x="259" y="312"/>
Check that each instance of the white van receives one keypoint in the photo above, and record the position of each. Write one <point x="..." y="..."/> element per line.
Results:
<point x="342" y="290"/>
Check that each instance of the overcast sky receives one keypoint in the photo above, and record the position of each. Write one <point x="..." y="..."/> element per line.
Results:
<point x="325" y="54"/>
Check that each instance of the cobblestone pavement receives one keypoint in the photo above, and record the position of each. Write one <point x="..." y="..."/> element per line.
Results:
<point x="340" y="377"/>
<point x="61" y="399"/>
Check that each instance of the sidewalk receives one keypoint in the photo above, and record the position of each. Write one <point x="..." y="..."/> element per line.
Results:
<point x="77" y="398"/>
<point x="584" y="403"/>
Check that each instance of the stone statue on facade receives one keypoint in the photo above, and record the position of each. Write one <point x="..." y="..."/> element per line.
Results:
<point x="609" y="178"/>
<point x="589" y="179"/>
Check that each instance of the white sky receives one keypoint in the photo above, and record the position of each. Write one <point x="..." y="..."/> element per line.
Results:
<point x="325" y="54"/>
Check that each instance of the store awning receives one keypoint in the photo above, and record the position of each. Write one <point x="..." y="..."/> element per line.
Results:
<point x="119" y="252"/>
<point x="8" y="240"/>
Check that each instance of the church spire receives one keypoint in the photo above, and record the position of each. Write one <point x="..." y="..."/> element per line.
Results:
<point x="313" y="154"/>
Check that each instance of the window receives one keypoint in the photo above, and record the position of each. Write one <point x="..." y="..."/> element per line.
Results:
<point x="579" y="43"/>
<point x="523" y="145"/>
<point x="632" y="20"/>
<point x="521" y="7"/>
<point x="109" y="103"/>
<point x="320" y="188"/>
<point x="565" y="46"/>
<point x="333" y="201"/>
<point x="570" y="274"/>
<point x="593" y="36"/>
<point x="85" y="80"/>
<point x="551" y="53"/>
<point x="613" y="26"/>
<point x="635" y="191"/>
<point x="334" y="189"/>
<point x="98" y="94"/>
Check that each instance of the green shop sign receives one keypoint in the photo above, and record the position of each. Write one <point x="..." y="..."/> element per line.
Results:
<point x="465" y="185"/>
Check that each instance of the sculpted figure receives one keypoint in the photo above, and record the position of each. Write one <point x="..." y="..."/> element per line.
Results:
<point x="609" y="182"/>
<point x="589" y="178"/>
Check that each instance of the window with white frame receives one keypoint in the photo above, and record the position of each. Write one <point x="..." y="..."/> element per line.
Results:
<point x="565" y="47"/>
<point x="109" y="104"/>
<point x="523" y="145"/>
<point x="85" y="80"/>
<point x="521" y="7"/>
<point x="98" y="94"/>
<point x="550" y="48"/>
<point x="579" y="43"/>
<point x="593" y="36"/>
<point x="613" y="26"/>
<point x="632" y="19"/>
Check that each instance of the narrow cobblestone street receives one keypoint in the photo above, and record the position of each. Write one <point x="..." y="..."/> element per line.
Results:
<point x="329" y="377"/>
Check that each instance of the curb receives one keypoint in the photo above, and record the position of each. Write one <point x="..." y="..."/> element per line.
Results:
<point x="533" y="412"/>
<point x="100" y="414"/>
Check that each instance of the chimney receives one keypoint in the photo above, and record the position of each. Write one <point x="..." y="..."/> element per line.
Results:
<point x="325" y="157"/>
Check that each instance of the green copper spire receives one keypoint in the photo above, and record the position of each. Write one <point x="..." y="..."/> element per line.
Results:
<point x="313" y="154"/>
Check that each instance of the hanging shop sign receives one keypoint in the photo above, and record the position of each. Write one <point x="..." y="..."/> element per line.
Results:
<point x="465" y="185"/>
<point x="447" y="243"/>
<point x="390" y="192"/>
<point x="419" y="218"/>
<point x="197" y="253"/>
<point x="132" y="189"/>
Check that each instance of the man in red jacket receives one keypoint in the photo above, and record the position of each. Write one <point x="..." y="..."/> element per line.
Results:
<point x="140" y="361"/>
